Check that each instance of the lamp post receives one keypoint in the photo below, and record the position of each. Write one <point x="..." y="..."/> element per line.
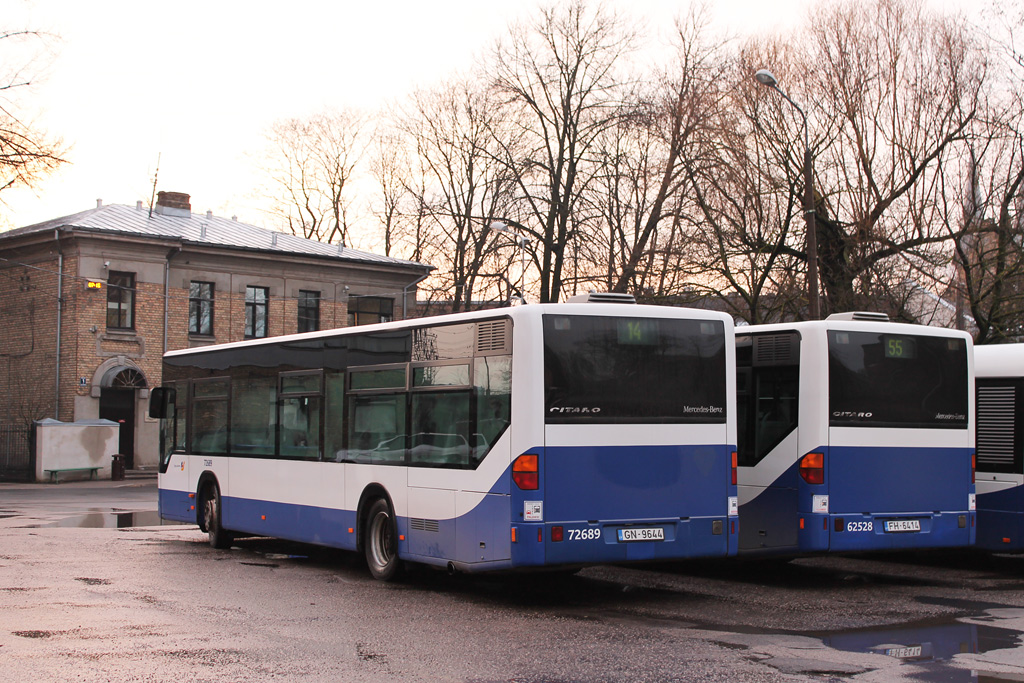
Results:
<point x="521" y="242"/>
<point x="765" y="77"/>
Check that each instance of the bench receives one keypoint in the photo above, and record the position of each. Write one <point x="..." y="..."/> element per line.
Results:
<point x="54" y="472"/>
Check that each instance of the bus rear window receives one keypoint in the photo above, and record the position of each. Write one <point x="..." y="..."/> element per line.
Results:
<point x="633" y="370"/>
<point x="897" y="380"/>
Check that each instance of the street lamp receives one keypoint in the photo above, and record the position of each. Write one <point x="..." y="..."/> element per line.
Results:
<point x="521" y="242"/>
<point x="765" y="77"/>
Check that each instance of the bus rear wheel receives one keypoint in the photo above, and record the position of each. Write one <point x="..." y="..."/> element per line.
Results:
<point x="381" y="544"/>
<point x="220" y="537"/>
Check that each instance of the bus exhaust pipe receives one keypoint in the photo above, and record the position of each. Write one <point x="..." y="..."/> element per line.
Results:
<point x="451" y="569"/>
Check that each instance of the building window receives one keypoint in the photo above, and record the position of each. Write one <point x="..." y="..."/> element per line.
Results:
<point x="200" y="308"/>
<point x="121" y="301"/>
<point x="366" y="310"/>
<point x="256" y="312"/>
<point x="309" y="311"/>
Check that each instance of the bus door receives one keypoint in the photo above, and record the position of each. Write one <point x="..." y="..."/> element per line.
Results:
<point x="170" y="405"/>
<point x="768" y="382"/>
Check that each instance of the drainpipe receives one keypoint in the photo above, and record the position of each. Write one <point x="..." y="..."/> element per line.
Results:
<point x="60" y="310"/>
<point x="167" y="292"/>
<point x="405" y="293"/>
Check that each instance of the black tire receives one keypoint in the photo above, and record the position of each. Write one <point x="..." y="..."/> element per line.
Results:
<point x="220" y="537"/>
<point x="380" y="542"/>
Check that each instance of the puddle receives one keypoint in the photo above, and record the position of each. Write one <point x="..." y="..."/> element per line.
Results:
<point x="930" y="647"/>
<point x="109" y="520"/>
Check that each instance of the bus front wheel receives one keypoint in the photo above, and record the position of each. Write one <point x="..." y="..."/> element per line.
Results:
<point x="381" y="543"/>
<point x="220" y="538"/>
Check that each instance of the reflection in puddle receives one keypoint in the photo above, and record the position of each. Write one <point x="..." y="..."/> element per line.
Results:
<point x="110" y="520"/>
<point x="928" y="647"/>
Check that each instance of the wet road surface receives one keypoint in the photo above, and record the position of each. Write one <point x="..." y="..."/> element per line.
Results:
<point x="93" y="588"/>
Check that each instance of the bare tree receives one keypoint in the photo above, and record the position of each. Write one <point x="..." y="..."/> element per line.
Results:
<point x="462" y="188"/>
<point x="27" y="152"/>
<point x="390" y="170"/>
<point x="666" y="129"/>
<point x="988" y="230"/>
<point x="310" y="166"/>
<point x="742" y="242"/>
<point x="895" y="90"/>
<point x="557" y="81"/>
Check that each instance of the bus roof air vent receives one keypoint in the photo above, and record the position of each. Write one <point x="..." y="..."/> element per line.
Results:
<point x="593" y="297"/>
<point x="860" y="315"/>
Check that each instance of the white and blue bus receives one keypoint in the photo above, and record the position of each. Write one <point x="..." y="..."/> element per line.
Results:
<point x="855" y="434"/>
<point x="552" y="435"/>
<point x="1000" y="444"/>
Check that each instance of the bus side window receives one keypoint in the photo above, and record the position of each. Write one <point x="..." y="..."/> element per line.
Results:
<point x="440" y="429"/>
<point x="492" y="385"/>
<point x="298" y="408"/>
<point x="744" y="423"/>
<point x="334" y="415"/>
<point x="181" y="413"/>
<point x="776" y="407"/>
<point x="253" y="411"/>
<point x="210" y="412"/>
<point x="376" y="430"/>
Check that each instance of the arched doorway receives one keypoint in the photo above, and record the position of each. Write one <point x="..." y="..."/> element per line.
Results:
<point x="117" y="402"/>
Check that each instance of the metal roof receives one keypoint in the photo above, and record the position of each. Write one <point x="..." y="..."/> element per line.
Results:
<point x="203" y="229"/>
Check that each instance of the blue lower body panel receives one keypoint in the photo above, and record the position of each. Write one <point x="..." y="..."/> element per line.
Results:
<point x="176" y="506"/>
<point x="1001" y="520"/>
<point x="303" y="523"/>
<point x="1001" y="530"/>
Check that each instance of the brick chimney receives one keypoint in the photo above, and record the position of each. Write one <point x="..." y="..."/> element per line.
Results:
<point x="174" y="204"/>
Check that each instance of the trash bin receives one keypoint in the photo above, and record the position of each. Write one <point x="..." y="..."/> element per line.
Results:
<point x="117" y="467"/>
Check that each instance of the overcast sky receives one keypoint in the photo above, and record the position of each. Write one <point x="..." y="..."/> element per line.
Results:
<point x="196" y="83"/>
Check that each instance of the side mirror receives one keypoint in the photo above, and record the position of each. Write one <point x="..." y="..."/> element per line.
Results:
<point x="160" y="401"/>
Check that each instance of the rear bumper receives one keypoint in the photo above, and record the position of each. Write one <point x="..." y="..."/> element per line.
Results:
<point x="837" y="532"/>
<point x="595" y="543"/>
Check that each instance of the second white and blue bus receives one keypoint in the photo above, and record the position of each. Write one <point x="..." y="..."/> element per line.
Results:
<point x="539" y="436"/>
<point x="855" y="434"/>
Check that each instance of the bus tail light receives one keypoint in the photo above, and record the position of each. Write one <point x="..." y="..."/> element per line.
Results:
<point x="557" y="534"/>
<point x="526" y="472"/>
<point x="735" y="460"/>
<point x="974" y="465"/>
<point x="812" y="468"/>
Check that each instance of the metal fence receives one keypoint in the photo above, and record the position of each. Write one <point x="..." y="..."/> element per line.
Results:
<point x="17" y="456"/>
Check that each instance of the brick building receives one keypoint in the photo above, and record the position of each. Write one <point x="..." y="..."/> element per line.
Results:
<point x="90" y="302"/>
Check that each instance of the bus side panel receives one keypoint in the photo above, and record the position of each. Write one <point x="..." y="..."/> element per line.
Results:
<point x="483" y="528"/>
<point x="768" y="514"/>
<point x="1001" y="520"/>
<point x="431" y="523"/>
<point x="302" y="523"/>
